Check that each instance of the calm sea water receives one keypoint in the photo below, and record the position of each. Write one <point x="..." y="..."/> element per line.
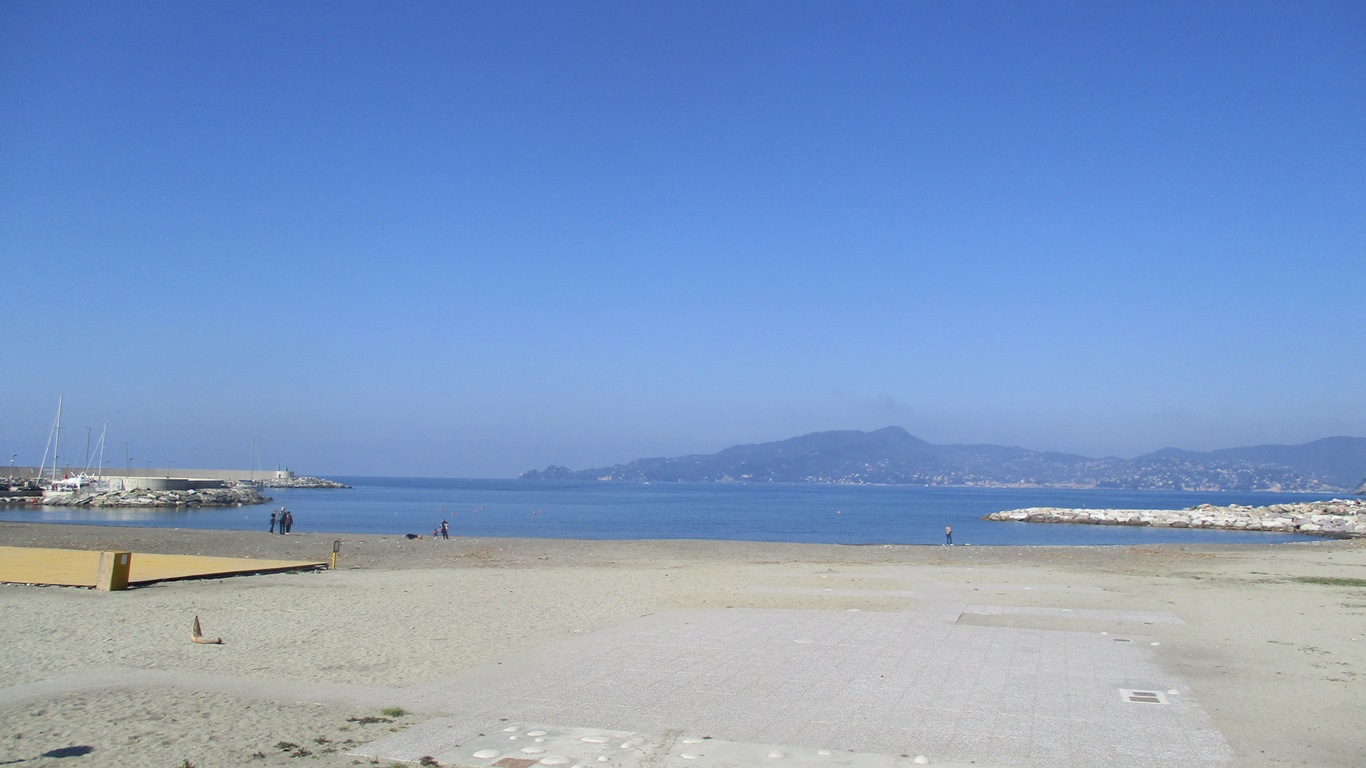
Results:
<point x="833" y="514"/>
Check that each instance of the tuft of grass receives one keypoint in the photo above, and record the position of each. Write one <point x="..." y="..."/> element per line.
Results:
<point x="393" y="711"/>
<point x="1330" y="581"/>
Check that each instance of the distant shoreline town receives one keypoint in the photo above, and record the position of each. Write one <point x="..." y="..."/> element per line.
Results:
<point x="892" y="456"/>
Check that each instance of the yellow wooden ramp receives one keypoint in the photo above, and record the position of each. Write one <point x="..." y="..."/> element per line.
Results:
<point x="79" y="568"/>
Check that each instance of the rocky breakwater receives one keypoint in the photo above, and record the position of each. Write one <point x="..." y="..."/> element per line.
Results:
<point x="202" y="497"/>
<point x="300" y="482"/>
<point x="1336" y="518"/>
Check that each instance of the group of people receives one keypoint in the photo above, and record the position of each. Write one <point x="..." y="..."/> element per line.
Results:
<point x="282" y="519"/>
<point x="441" y="531"/>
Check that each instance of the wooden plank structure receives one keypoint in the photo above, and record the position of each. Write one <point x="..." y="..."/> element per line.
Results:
<point x="85" y="568"/>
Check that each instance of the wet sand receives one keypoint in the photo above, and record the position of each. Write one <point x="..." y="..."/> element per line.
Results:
<point x="309" y="658"/>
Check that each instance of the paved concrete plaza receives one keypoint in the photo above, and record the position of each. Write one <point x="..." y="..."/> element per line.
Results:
<point x="826" y="687"/>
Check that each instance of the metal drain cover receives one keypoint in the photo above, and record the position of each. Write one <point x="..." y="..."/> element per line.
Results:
<point x="1142" y="697"/>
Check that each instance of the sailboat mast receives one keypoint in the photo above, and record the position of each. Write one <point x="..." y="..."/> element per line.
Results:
<point x="47" y="448"/>
<point x="56" y="438"/>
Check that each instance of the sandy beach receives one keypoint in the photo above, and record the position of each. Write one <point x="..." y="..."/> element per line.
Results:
<point x="1270" y="640"/>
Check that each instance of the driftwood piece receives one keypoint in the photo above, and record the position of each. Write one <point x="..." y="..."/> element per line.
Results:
<point x="197" y="635"/>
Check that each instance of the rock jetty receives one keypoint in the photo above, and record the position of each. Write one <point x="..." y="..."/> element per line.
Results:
<point x="1337" y="518"/>
<point x="203" y="497"/>
<point x="300" y="482"/>
<point x="21" y="492"/>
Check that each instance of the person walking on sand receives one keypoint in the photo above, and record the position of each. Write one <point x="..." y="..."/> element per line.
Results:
<point x="445" y="530"/>
<point x="272" y="521"/>
<point x="287" y="522"/>
<point x="948" y="535"/>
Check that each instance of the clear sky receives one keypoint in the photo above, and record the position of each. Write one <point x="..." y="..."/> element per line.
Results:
<point x="469" y="239"/>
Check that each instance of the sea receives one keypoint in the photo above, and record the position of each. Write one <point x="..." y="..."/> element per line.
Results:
<point x="810" y="513"/>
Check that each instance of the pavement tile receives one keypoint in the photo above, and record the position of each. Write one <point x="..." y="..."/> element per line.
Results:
<point x="873" y="683"/>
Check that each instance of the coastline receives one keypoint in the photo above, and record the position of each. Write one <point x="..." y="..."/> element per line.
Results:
<point x="305" y="653"/>
<point x="1336" y="518"/>
<point x="150" y="499"/>
<point x="849" y="515"/>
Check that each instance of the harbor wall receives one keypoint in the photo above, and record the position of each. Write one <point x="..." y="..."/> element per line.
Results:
<point x="172" y="473"/>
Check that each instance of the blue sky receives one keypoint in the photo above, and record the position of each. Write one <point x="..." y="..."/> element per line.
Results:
<point x="470" y="239"/>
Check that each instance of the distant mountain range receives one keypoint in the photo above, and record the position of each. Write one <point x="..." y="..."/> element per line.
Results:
<point x="892" y="456"/>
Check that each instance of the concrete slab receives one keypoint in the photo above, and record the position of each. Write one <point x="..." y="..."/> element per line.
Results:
<point x="877" y="686"/>
<point x="519" y="744"/>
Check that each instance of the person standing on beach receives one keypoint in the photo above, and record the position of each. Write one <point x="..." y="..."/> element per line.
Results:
<point x="286" y="521"/>
<point x="445" y="530"/>
<point x="948" y="535"/>
<point x="272" y="521"/>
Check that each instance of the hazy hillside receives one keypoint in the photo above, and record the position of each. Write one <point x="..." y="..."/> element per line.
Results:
<point x="893" y="456"/>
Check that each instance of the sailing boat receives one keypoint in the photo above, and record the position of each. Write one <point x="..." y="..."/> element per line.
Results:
<point x="254" y="465"/>
<point x="54" y="439"/>
<point x="82" y="482"/>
